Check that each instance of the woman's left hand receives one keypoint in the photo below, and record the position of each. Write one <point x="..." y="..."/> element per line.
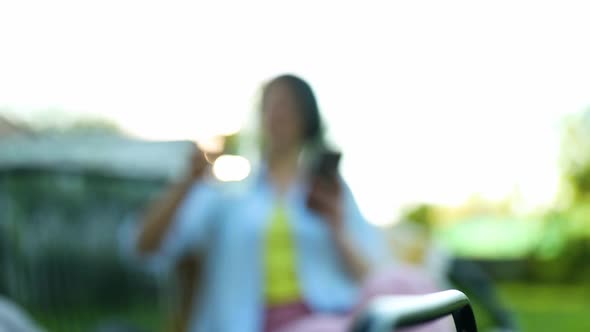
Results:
<point x="325" y="197"/>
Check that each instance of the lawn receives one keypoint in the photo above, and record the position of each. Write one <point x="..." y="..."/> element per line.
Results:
<point x="539" y="308"/>
<point x="145" y="316"/>
<point x="543" y="308"/>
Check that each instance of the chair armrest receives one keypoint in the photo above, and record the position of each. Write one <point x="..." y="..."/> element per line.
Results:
<point x="386" y="313"/>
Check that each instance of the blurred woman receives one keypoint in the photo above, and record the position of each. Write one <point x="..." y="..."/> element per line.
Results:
<point x="285" y="246"/>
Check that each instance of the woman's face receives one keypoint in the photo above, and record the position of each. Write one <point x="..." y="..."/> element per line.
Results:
<point x="282" y="123"/>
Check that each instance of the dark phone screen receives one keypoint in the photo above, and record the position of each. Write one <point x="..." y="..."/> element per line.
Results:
<point x="327" y="164"/>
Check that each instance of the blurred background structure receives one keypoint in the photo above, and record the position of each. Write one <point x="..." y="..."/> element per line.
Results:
<point x="478" y="114"/>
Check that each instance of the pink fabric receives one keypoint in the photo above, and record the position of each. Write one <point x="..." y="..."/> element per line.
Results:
<point x="394" y="281"/>
<point x="278" y="316"/>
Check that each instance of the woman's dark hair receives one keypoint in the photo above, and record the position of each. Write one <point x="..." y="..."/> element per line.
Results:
<point x="307" y="104"/>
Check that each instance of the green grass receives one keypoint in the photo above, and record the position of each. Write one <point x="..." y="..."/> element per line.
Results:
<point x="538" y="308"/>
<point x="147" y="317"/>
<point x="541" y="308"/>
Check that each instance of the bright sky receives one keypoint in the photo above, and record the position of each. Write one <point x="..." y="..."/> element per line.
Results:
<point x="430" y="101"/>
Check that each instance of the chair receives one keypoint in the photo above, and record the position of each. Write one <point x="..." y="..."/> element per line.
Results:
<point x="387" y="313"/>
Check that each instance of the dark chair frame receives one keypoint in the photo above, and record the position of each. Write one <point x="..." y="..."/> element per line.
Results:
<point x="387" y="313"/>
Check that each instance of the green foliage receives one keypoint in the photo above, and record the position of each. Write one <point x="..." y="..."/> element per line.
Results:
<point x="58" y="235"/>
<point x="566" y="243"/>
<point x="575" y="156"/>
<point x="232" y="144"/>
<point x="421" y="214"/>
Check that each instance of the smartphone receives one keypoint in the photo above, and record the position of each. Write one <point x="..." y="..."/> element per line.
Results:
<point x="326" y="165"/>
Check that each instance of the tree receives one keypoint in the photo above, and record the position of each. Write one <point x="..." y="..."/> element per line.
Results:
<point x="572" y="217"/>
<point x="575" y="157"/>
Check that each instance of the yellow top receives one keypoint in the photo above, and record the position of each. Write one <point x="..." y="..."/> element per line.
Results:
<point x="281" y="284"/>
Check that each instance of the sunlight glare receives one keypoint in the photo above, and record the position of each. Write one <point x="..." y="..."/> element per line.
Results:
<point x="231" y="168"/>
